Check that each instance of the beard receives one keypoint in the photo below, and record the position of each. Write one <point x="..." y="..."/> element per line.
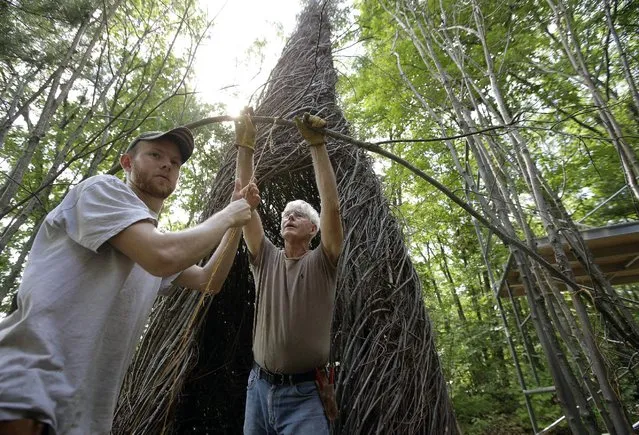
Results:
<point x="147" y="183"/>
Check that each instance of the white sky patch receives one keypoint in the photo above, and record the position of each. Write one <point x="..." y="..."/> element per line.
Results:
<point x="235" y="59"/>
<point x="244" y="44"/>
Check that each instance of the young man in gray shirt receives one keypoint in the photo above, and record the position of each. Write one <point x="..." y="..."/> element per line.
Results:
<point x="295" y="293"/>
<point x="95" y="269"/>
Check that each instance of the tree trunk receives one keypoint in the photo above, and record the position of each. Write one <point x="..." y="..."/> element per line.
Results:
<point x="451" y="281"/>
<point x="623" y="56"/>
<point x="57" y="94"/>
<point x="573" y="51"/>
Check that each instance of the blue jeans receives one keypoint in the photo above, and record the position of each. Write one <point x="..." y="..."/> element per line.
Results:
<point x="283" y="409"/>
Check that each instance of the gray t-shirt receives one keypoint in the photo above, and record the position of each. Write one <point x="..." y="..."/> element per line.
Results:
<point x="82" y="308"/>
<point x="295" y="309"/>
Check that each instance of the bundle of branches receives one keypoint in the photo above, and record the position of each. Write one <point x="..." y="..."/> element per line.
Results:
<point x="190" y="372"/>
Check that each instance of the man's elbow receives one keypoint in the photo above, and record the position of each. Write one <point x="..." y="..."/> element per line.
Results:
<point x="205" y="283"/>
<point x="162" y="264"/>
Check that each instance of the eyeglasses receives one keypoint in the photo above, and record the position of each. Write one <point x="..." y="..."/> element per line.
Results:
<point x="295" y="213"/>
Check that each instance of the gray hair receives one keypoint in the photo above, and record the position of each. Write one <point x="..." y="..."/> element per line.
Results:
<point x="305" y="208"/>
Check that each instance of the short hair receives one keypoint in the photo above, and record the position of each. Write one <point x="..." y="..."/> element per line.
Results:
<point x="132" y="151"/>
<point x="305" y="208"/>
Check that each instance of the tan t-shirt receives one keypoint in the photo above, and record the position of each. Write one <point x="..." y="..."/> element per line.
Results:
<point x="295" y="309"/>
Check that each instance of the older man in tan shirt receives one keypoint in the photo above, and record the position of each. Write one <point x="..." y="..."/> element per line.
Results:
<point x="295" y="289"/>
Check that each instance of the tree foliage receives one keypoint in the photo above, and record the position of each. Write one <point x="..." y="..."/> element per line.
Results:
<point x="78" y="81"/>
<point x="437" y="69"/>
<point x="552" y="84"/>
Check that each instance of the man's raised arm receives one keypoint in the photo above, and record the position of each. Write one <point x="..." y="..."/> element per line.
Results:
<point x="331" y="229"/>
<point x="245" y="140"/>
<point x="211" y="277"/>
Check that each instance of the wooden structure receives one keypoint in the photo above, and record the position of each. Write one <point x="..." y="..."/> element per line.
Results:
<point x="615" y="249"/>
<point x="616" y="252"/>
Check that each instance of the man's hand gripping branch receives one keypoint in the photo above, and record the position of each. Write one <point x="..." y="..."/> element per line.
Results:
<point x="331" y="229"/>
<point x="245" y="134"/>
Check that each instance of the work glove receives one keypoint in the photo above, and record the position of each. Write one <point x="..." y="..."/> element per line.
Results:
<point x="306" y="124"/>
<point x="245" y="130"/>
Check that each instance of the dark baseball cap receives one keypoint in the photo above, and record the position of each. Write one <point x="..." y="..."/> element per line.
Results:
<point x="181" y="136"/>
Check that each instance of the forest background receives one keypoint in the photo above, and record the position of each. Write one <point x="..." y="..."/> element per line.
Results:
<point x="78" y="80"/>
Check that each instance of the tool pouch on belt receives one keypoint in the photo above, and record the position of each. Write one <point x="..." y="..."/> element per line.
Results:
<point x="326" y="387"/>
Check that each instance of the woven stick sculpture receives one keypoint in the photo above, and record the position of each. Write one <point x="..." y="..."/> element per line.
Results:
<point x="389" y="379"/>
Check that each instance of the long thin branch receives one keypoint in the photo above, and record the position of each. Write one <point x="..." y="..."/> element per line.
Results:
<point x="381" y="151"/>
<point x="441" y="139"/>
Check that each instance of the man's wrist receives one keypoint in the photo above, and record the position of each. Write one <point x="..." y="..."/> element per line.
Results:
<point x="224" y="216"/>
<point x="249" y="147"/>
